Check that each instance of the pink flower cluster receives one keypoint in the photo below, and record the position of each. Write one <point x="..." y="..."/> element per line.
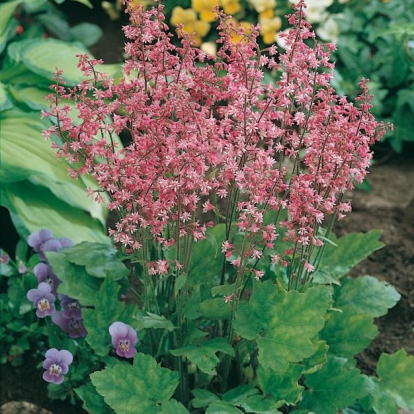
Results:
<point x="207" y="134"/>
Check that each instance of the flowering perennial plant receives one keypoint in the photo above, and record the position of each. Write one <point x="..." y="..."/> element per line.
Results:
<point x="226" y="190"/>
<point x="209" y="139"/>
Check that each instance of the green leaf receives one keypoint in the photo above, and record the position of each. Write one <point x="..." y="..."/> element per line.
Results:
<point x="238" y="395"/>
<point x="334" y="387"/>
<point x="76" y="282"/>
<point x="351" y="249"/>
<point x="261" y="405"/>
<point x="282" y="387"/>
<point x="173" y="407"/>
<point x="206" y="262"/>
<point x="99" y="259"/>
<point x="108" y="309"/>
<point x="33" y="159"/>
<point x="150" y="320"/>
<point x="34" y="207"/>
<point x="93" y="402"/>
<point x="41" y="56"/>
<point x="348" y="334"/>
<point x="202" y="398"/>
<point x="5" y="102"/>
<point x="87" y="33"/>
<point x="215" y="309"/>
<point x="283" y="323"/>
<point x="203" y="354"/>
<point x="395" y="384"/>
<point x="7" y="23"/>
<point x="222" y="407"/>
<point x="365" y="295"/>
<point x="137" y="389"/>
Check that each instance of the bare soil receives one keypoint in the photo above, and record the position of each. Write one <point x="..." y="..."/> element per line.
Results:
<point x="390" y="207"/>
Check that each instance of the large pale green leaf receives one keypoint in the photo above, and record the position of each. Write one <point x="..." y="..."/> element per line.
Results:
<point x="26" y="155"/>
<point x="334" y="387"/>
<point x="395" y="383"/>
<point x="365" y="295"/>
<point x="108" y="309"/>
<point x="5" y="102"/>
<point x="99" y="259"/>
<point x="137" y="389"/>
<point x="7" y="23"/>
<point x="282" y="387"/>
<point x="348" y="334"/>
<point x="42" y="57"/>
<point x="34" y="207"/>
<point x="350" y="250"/>
<point x="283" y="323"/>
<point x="203" y="354"/>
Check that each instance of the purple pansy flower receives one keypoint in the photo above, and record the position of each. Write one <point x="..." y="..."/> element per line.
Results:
<point x="43" y="241"/>
<point x="71" y="307"/>
<point x="56" y="365"/>
<point x="124" y="338"/>
<point x="45" y="274"/>
<point x="43" y="300"/>
<point x="74" y="327"/>
<point x="38" y="238"/>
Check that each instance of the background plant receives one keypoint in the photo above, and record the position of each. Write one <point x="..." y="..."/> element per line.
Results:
<point x="35" y="187"/>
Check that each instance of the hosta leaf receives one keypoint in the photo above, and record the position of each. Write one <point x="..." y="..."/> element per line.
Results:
<point x="203" y="354"/>
<point x="108" y="309"/>
<point x="350" y="250"/>
<point x="283" y="323"/>
<point x="348" y="334"/>
<point x="87" y="33"/>
<point x="138" y="388"/>
<point x="366" y="295"/>
<point x="32" y="158"/>
<point x="333" y="387"/>
<point x="5" y="102"/>
<point x="99" y="259"/>
<point x="42" y="57"/>
<point x="34" y="207"/>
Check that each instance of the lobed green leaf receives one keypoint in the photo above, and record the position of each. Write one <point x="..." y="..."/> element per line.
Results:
<point x="140" y="388"/>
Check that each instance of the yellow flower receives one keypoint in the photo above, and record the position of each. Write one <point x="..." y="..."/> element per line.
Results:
<point x="205" y="8"/>
<point x="266" y="14"/>
<point x="191" y="25"/>
<point x="230" y="6"/>
<point x="262" y="5"/>
<point x="234" y="36"/>
<point x="269" y="28"/>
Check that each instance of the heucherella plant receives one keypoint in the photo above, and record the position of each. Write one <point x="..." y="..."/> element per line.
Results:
<point x="227" y="292"/>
